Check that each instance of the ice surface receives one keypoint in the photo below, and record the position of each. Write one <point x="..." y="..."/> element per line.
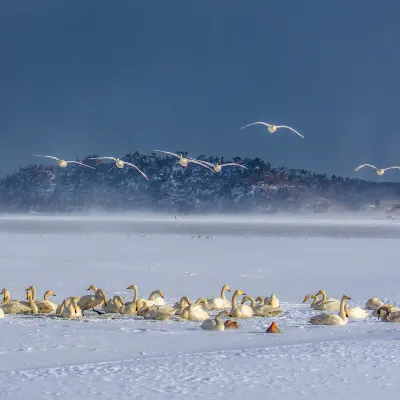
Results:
<point x="116" y="357"/>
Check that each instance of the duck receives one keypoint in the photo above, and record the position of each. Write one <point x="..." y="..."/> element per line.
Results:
<point x="46" y="306"/>
<point x="17" y="307"/>
<point x="91" y="301"/>
<point x="373" y="304"/>
<point x="355" y="312"/>
<point x="266" y="310"/>
<point x="242" y="311"/>
<point x="387" y="315"/>
<point x="113" y="305"/>
<point x="273" y="328"/>
<point x="72" y="310"/>
<point x="195" y="312"/>
<point x="220" y="303"/>
<point x="332" y="319"/>
<point x="181" y="305"/>
<point x="229" y="324"/>
<point x="326" y="303"/>
<point x="215" y="324"/>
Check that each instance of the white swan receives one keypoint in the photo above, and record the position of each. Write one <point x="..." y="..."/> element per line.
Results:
<point x="355" y="312"/>
<point x="120" y="164"/>
<point x="65" y="303"/>
<point x="373" y="304"/>
<point x="325" y="303"/>
<point x="332" y="319"/>
<point x="203" y="302"/>
<point x="91" y="301"/>
<point x="156" y="298"/>
<point x="215" y="324"/>
<point x="63" y="163"/>
<point x="311" y="296"/>
<point x="220" y="303"/>
<point x="113" y="306"/>
<point x="17" y="307"/>
<point x="184" y="161"/>
<point x="272" y="128"/>
<point x="379" y="171"/>
<point x="159" y="313"/>
<point x="181" y="305"/>
<point x="195" y="312"/>
<point x="129" y="308"/>
<point x="46" y="306"/>
<point x="242" y="311"/>
<point x="218" y="167"/>
<point x="266" y="310"/>
<point x="72" y="310"/>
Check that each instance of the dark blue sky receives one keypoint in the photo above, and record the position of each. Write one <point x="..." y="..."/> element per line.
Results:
<point x="112" y="77"/>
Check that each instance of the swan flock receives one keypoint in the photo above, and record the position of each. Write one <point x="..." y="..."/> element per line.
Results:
<point x="208" y="311"/>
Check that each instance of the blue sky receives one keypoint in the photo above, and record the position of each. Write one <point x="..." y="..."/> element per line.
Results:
<point x="110" y="78"/>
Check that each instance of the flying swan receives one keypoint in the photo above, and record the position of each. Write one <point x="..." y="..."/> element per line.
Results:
<point x="185" y="161"/>
<point x="120" y="164"/>
<point x="217" y="167"/>
<point x="63" y="163"/>
<point x="379" y="171"/>
<point x="272" y="128"/>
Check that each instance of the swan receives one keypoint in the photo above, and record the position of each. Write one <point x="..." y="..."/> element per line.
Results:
<point x="332" y="319"/>
<point x="129" y="308"/>
<point x="272" y="301"/>
<point x="67" y="301"/>
<point x="379" y="171"/>
<point x="215" y="324"/>
<point x="218" y="167"/>
<point x="17" y="307"/>
<point x="63" y="163"/>
<point x="72" y="310"/>
<point x="113" y="305"/>
<point x="91" y="301"/>
<point x="355" y="312"/>
<point x="203" y="302"/>
<point x="156" y="298"/>
<point x="387" y="315"/>
<point x="266" y="310"/>
<point x="390" y="307"/>
<point x="373" y="304"/>
<point x="242" y="311"/>
<point x="181" y="305"/>
<point x="184" y="161"/>
<point x="272" y="128"/>
<point x="46" y="306"/>
<point x="311" y="296"/>
<point x="159" y="313"/>
<point x="326" y="304"/>
<point x="120" y="164"/>
<point x="220" y="303"/>
<point x="195" y="312"/>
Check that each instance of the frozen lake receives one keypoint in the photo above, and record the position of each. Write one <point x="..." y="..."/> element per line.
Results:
<point x="126" y="357"/>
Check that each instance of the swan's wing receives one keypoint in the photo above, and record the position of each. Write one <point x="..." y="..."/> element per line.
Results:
<point x="203" y="162"/>
<point x="134" y="166"/>
<point x="254" y="123"/>
<point x="364" y="165"/>
<point x="103" y="158"/>
<point x="237" y="165"/>
<point x="288" y="127"/>
<point x="77" y="162"/>
<point x="391" y="167"/>
<point x="168" y="152"/>
<point x="40" y="155"/>
<point x="200" y="163"/>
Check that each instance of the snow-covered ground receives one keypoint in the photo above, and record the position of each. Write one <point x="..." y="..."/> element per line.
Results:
<point x="126" y="357"/>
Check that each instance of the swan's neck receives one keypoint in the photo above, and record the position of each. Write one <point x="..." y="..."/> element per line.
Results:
<point x="32" y="304"/>
<point x="153" y="295"/>
<point x="33" y="293"/>
<point x="6" y="299"/>
<point x="223" y="290"/>
<point x="218" y="320"/>
<point x="323" y="296"/>
<point x="135" y="297"/>
<point x="46" y="295"/>
<point x="342" y="313"/>
<point x="234" y="305"/>
<point x="314" y="301"/>
<point x="252" y="301"/>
